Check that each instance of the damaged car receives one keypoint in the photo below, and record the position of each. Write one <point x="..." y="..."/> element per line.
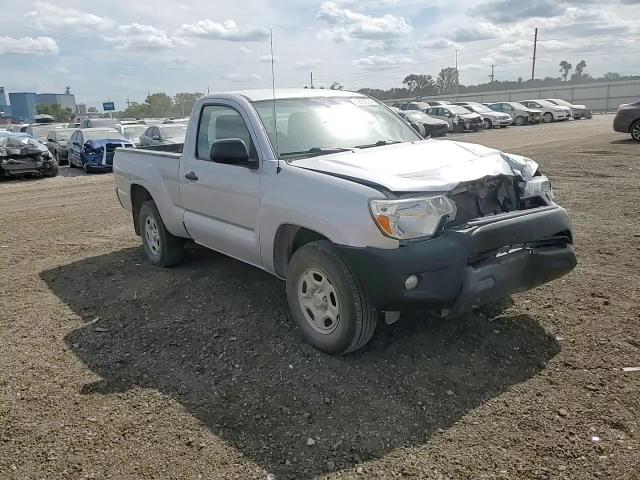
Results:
<point x="92" y="149"/>
<point x="422" y="123"/>
<point x="21" y="155"/>
<point x="360" y="216"/>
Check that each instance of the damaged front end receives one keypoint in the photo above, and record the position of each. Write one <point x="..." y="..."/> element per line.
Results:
<point x="21" y="154"/>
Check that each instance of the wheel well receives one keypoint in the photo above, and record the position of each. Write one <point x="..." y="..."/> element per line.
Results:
<point x="139" y="195"/>
<point x="290" y="238"/>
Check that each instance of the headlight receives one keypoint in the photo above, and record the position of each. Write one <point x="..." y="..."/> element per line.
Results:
<point x="539" y="186"/>
<point x="412" y="217"/>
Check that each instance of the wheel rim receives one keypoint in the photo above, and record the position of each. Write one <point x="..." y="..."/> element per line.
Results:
<point x="635" y="132"/>
<point x="519" y="121"/>
<point x="152" y="235"/>
<point x="548" y="117"/>
<point x="319" y="301"/>
<point x="487" y="123"/>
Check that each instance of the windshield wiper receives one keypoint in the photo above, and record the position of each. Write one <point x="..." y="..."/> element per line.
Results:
<point x="316" y="151"/>
<point x="379" y="143"/>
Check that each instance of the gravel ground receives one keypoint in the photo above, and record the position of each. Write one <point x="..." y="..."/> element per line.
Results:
<point x="113" y="369"/>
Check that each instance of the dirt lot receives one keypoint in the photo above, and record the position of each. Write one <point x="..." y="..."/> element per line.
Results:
<point x="110" y="368"/>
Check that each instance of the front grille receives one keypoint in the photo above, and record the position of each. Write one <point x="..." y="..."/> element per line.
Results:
<point x="481" y="198"/>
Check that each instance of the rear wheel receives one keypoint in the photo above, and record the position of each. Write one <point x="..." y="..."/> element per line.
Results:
<point x="547" y="117"/>
<point x="488" y="124"/>
<point x="161" y="247"/>
<point x="635" y="131"/>
<point x="519" y="121"/>
<point x="327" y="301"/>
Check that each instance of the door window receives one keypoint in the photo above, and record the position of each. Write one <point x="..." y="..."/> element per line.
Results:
<point x="219" y="122"/>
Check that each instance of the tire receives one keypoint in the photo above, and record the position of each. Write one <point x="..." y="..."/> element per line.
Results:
<point x="488" y="124"/>
<point x="71" y="164"/>
<point x="547" y="117"/>
<point x="165" y="250"/>
<point x="86" y="168"/>
<point x="635" y="131"/>
<point x="519" y="120"/>
<point x="459" y="128"/>
<point x="356" y="318"/>
<point x="51" y="172"/>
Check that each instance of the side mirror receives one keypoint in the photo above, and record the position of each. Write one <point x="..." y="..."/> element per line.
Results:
<point x="232" y="151"/>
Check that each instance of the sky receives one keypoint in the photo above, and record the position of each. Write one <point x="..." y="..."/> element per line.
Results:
<point x="118" y="50"/>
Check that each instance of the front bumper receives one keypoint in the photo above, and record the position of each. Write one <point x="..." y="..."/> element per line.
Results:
<point x="622" y="122"/>
<point x="465" y="268"/>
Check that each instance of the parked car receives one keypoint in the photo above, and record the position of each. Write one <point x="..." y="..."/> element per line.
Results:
<point x="92" y="148"/>
<point x="458" y="118"/>
<point x="490" y="117"/>
<point x="165" y="134"/>
<point x="362" y="220"/>
<point x="98" y="123"/>
<point x="438" y="103"/>
<point x="577" y="111"/>
<point x="57" y="144"/>
<point x="21" y="154"/>
<point x="550" y="111"/>
<point x="425" y="125"/>
<point x="518" y="112"/>
<point x="40" y="131"/>
<point x="132" y="132"/>
<point x="627" y="120"/>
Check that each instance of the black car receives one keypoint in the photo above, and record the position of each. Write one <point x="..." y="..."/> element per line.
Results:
<point x="627" y="120"/>
<point x="424" y="124"/>
<point x="57" y="144"/>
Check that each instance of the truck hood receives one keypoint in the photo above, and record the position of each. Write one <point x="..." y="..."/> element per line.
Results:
<point x="422" y="166"/>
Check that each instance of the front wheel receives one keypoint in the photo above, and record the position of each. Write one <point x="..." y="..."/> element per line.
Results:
<point x="635" y="131"/>
<point x="488" y="124"/>
<point x="547" y="117"/>
<point x="327" y="301"/>
<point x="519" y="121"/>
<point x="161" y="247"/>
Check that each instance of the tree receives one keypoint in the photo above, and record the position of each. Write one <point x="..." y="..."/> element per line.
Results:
<point x="62" y="115"/>
<point x="184" y="102"/>
<point x="336" y="86"/>
<point x="565" y="67"/>
<point x="447" y="80"/>
<point x="67" y="90"/>
<point x="578" y="73"/>
<point x="160" y="104"/>
<point x="92" y="110"/>
<point x="612" y="76"/>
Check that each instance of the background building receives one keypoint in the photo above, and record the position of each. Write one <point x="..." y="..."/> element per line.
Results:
<point x="3" y="97"/>
<point x="82" y="109"/>
<point x="5" y="109"/>
<point x="23" y="106"/>
<point x="65" y="100"/>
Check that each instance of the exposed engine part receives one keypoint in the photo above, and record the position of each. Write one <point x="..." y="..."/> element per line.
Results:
<point x="488" y="196"/>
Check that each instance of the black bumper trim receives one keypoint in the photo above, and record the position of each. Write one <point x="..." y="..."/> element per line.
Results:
<point x="451" y="276"/>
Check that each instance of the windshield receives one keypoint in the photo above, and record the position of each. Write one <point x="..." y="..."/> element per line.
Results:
<point x="557" y="101"/>
<point x="63" y="136"/>
<point x="480" y="108"/>
<point x="545" y="103"/>
<point x="135" y="131"/>
<point x="101" y="134"/>
<point x="40" y="131"/>
<point x="458" y="109"/>
<point x="169" y="131"/>
<point x="306" y="124"/>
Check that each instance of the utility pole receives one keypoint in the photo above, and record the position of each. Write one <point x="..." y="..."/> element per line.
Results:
<point x="535" y="45"/>
<point x="128" y="103"/>
<point x="311" y="79"/>
<point x="457" y="76"/>
<point x="491" y="76"/>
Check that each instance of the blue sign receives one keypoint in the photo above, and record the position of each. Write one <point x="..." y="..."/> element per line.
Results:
<point x="108" y="106"/>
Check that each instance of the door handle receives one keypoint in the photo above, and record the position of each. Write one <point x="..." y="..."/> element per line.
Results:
<point x="191" y="176"/>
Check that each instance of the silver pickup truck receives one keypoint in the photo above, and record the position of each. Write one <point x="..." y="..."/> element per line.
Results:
<point x="336" y="194"/>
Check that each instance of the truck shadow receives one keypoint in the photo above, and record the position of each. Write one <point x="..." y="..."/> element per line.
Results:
<point x="215" y="335"/>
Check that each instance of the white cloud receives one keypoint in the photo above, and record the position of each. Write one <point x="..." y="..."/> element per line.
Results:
<point x="246" y="50"/>
<point x="267" y="58"/>
<point x="347" y="24"/>
<point x="51" y="17"/>
<point x="242" y="77"/>
<point x="373" y="61"/>
<point x="311" y="62"/>
<point x="227" y="30"/>
<point x="28" y="46"/>
<point x="146" y="37"/>
<point x="475" y="32"/>
<point x="438" y="44"/>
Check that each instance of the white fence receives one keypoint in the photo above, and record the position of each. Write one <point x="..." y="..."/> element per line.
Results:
<point x="600" y="97"/>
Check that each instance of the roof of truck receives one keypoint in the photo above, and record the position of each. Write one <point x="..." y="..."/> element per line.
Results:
<point x="282" y="93"/>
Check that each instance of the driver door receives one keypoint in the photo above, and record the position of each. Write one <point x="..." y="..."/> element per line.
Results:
<point x="221" y="199"/>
